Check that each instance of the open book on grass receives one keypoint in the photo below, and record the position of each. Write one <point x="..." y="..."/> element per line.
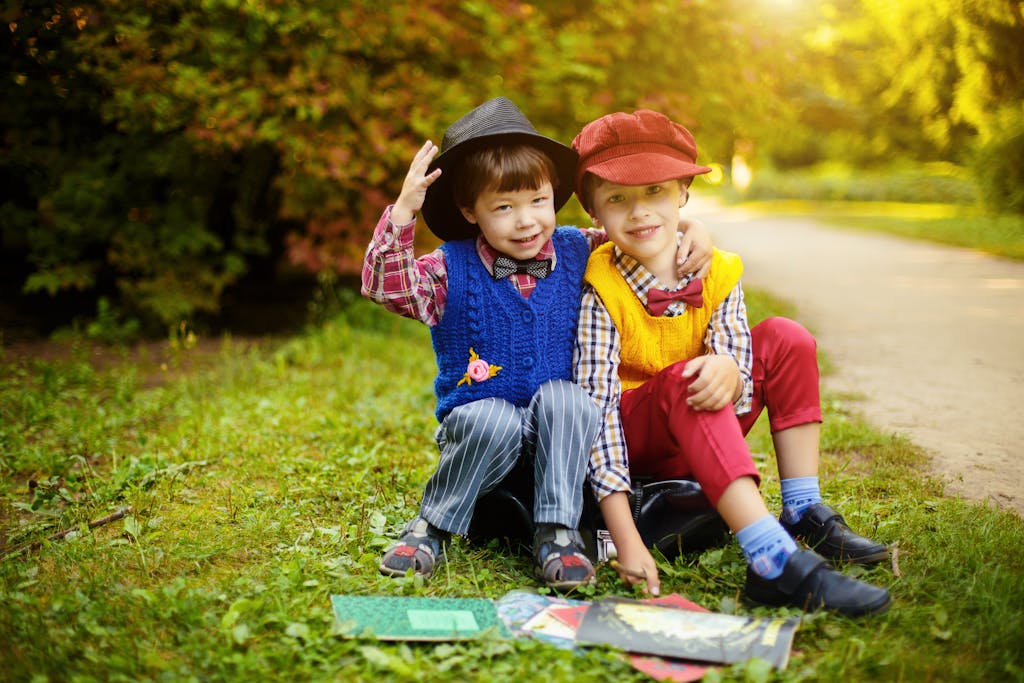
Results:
<point x="692" y="635"/>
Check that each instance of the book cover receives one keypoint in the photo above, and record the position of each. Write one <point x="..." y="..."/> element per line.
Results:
<point x="692" y="635"/>
<point x="526" y="613"/>
<point x="406" y="618"/>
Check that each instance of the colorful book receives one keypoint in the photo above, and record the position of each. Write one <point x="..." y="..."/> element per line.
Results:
<point x="527" y="613"/>
<point x="687" y="634"/>
<point x="405" y="618"/>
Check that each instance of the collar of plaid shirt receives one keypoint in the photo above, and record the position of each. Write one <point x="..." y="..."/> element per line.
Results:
<point x="644" y="284"/>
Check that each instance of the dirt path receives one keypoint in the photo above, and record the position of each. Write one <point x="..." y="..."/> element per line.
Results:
<point x="932" y="337"/>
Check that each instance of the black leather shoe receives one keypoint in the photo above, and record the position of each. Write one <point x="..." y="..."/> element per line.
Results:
<point x="808" y="582"/>
<point x="826" y="532"/>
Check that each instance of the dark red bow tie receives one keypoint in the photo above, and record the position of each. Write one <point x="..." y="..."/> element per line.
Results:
<point x="692" y="294"/>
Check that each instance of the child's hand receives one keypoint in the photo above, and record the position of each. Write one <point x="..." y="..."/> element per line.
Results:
<point x="414" y="189"/>
<point x="694" y="254"/>
<point x="637" y="566"/>
<point x="717" y="382"/>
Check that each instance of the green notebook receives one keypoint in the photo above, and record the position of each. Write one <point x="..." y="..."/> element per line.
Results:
<point x="402" y="618"/>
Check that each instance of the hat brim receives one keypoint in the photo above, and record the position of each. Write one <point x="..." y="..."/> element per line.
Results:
<point x="644" y="169"/>
<point x="444" y="218"/>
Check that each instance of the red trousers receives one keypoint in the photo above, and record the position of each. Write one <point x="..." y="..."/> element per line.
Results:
<point x="666" y="439"/>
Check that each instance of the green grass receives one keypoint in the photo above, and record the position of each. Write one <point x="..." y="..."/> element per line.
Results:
<point x="263" y="477"/>
<point x="941" y="223"/>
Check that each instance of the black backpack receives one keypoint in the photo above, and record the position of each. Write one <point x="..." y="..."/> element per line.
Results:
<point x="672" y="516"/>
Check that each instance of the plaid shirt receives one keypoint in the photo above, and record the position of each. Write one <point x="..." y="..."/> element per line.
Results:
<point x="598" y="352"/>
<point x="418" y="287"/>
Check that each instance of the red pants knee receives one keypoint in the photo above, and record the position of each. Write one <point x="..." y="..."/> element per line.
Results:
<point x="667" y="439"/>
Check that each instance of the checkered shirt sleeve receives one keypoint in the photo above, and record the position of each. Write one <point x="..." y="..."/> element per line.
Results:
<point x="596" y="359"/>
<point x="416" y="288"/>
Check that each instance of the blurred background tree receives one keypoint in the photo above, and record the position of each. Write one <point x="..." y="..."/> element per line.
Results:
<point x="157" y="157"/>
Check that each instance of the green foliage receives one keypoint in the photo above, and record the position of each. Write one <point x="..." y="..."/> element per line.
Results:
<point x="156" y="150"/>
<point x="154" y="153"/>
<point x="999" y="166"/>
<point x="108" y="326"/>
<point x="261" y="478"/>
<point x="917" y="183"/>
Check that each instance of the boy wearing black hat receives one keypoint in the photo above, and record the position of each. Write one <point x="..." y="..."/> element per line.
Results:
<point x="681" y="378"/>
<point x="501" y="297"/>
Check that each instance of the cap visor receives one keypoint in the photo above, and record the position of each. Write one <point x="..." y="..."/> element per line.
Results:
<point x="645" y="169"/>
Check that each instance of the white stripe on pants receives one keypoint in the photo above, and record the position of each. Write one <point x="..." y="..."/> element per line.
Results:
<point x="480" y="443"/>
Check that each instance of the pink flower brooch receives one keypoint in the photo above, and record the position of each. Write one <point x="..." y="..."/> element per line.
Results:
<point x="478" y="369"/>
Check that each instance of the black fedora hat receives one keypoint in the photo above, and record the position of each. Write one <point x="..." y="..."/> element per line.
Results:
<point x="494" y="121"/>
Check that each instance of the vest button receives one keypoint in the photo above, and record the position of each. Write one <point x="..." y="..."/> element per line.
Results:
<point x="527" y="361"/>
<point x="527" y="316"/>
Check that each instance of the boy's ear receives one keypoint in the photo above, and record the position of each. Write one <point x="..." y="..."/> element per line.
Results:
<point x="684" y="195"/>
<point x="468" y="214"/>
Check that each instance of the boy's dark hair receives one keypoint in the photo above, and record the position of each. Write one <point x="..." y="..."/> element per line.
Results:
<point x="588" y="186"/>
<point x="502" y="168"/>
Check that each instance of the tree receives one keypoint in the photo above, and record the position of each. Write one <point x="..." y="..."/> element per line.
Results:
<point x="155" y="152"/>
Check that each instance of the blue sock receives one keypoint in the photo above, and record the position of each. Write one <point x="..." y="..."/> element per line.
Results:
<point x="798" y="494"/>
<point x="766" y="545"/>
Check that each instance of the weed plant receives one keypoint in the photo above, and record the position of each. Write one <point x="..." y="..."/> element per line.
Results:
<point x="258" y="478"/>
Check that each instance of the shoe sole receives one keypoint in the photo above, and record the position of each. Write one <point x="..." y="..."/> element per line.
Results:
<point x="879" y="607"/>
<point x="396" y="573"/>
<point x="840" y="560"/>
<point x="564" y="586"/>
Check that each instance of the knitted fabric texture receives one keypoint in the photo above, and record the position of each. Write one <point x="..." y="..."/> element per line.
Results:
<point x="652" y="343"/>
<point x="530" y="339"/>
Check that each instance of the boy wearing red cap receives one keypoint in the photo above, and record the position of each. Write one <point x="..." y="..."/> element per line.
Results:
<point x="681" y="378"/>
<point x="501" y="298"/>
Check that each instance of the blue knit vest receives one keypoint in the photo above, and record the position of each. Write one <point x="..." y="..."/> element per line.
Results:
<point x="530" y="339"/>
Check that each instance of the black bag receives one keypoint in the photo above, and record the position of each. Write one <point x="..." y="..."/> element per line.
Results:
<point x="672" y="516"/>
<point x="506" y="512"/>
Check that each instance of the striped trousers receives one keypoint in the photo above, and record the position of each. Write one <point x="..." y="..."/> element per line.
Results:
<point x="481" y="442"/>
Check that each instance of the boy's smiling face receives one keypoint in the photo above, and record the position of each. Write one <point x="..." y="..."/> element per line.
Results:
<point x="518" y="222"/>
<point x="642" y="220"/>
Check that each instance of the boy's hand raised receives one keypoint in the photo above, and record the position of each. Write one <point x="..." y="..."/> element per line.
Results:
<point x="717" y="382"/>
<point x="414" y="189"/>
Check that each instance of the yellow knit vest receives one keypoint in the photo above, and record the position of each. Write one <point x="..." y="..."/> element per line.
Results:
<point x="649" y="343"/>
